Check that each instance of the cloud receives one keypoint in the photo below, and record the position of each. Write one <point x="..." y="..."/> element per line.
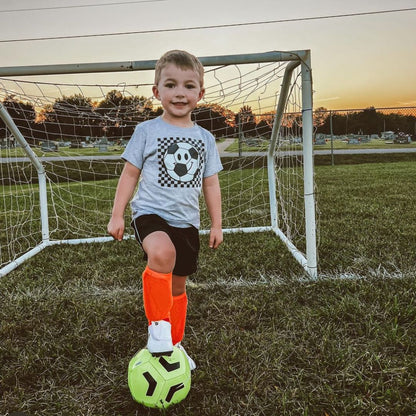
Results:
<point x="408" y="103"/>
<point x="327" y="99"/>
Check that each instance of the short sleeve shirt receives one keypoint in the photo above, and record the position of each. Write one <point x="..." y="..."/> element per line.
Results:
<point x="173" y="162"/>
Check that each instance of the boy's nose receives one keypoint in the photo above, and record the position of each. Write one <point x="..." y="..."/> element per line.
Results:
<point x="181" y="89"/>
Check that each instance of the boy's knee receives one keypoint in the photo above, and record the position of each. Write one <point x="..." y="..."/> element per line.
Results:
<point x="162" y="258"/>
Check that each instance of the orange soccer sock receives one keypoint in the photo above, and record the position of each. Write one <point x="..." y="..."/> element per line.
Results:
<point x="178" y="317"/>
<point x="157" y="294"/>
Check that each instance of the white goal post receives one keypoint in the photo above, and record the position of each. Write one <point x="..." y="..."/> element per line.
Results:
<point x="61" y="137"/>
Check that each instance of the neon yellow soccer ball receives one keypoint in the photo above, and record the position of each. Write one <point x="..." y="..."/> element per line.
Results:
<point x="159" y="381"/>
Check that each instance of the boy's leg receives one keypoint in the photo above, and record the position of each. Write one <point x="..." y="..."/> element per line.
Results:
<point x="157" y="277"/>
<point x="186" y="242"/>
<point x="157" y="299"/>
<point x="166" y="249"/>
<point x="178" y="314"/>
<point x="157" y="290"/>
<point x="161" y="253"/>
<point x="157" y="294"/>
<point x="179" y="308"/>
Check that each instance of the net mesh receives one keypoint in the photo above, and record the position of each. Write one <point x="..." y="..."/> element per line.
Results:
<point x="78" y="131"/>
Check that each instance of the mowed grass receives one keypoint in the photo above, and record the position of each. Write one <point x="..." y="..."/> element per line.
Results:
<point x="267" y="340"/>
<point x="336" y="144"/>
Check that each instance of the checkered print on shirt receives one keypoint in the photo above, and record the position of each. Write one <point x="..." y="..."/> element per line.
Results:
<point x="164" y="179"/>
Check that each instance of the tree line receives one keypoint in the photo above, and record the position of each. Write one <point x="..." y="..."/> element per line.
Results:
<point x="77" y="117"/>
<point x="368" y="121"/>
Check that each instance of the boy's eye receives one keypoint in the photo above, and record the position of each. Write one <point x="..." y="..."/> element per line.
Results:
<point x="169" y="85"/>
<point x="190" y="86"/>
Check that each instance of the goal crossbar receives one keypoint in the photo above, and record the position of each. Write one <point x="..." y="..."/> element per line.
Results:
<point x="308" y="260"/>
<point x="83" y="68"/>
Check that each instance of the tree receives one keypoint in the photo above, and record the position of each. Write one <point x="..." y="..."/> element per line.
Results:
<point x="119" y="114"/>
<point x="245" y="121"/>
<point x="23" y="115"/>
<point x="369" y="121"/>
<point x="214" y="119"/>
<point x="320" y="115"/>
<point x="69" y="118"/>
<point x="264" y="128"/>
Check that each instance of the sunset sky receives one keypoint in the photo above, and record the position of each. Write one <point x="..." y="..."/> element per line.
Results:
<point x="358" y="61"/>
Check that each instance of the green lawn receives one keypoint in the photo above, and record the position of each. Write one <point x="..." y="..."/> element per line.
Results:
<point x="266" y="340"/>
<point x="336" y="144"/>
<point x="262" y="146"/>
<point x="62" y="151"/>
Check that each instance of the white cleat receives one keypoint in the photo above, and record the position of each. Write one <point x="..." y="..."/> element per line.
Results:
<point x="160" y="338"/>
<point x="192" y="364"/>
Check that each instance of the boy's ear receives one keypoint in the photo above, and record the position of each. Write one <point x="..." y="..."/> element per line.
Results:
<point x="201" y="93"/>
<point x="155" y="92"/>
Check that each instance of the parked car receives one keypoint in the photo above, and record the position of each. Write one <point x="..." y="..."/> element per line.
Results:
<point x="402" y="138"/>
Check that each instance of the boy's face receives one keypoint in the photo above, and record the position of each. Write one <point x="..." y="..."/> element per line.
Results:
<point x="179" y="91"/>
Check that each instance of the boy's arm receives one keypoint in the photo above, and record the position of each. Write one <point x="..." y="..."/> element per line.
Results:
<point x="125" y="188"/>
<point x="212" y="194"/>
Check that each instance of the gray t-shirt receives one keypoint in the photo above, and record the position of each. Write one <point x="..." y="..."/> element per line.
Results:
<point x="173" y="161"/>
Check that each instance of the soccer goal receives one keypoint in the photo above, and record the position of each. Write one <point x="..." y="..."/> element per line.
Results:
<point x="63" y="128"/>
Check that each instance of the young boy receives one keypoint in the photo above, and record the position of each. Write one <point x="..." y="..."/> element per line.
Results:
<point x="174" y="159"/>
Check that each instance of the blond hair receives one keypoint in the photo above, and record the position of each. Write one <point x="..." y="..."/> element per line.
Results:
<point x="181" y="59"/>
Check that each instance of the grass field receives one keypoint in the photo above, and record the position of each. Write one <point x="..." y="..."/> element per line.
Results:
<point x="266" y="340"/>
<point x="336" y="144"/>
<point x="234" y="147"/>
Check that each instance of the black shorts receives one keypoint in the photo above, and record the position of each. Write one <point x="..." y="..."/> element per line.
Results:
<point x="185" y="240"/>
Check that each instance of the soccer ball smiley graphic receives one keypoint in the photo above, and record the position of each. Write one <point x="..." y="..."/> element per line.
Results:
<point x="181" y="161"/>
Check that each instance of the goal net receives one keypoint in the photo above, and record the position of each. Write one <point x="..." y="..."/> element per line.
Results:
<point x="63" y="129"/>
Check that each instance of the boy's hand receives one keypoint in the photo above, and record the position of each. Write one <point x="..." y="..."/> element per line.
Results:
<point x="116" y="228"/>
<point x="215" y="237"/>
